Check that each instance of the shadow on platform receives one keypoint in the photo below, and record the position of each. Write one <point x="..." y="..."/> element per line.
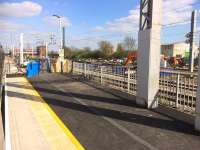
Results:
<point x="172" y="125"/>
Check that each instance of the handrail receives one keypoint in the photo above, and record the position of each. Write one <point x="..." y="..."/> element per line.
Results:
<point x="178" y="72"/>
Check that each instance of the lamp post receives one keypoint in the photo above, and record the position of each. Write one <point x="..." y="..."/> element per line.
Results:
<point x="60" y="27"/>
<point x="21" y="48"/>
<point x="61" y="42"/>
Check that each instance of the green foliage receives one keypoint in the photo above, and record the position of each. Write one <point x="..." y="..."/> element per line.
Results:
<point x="120" y="47"/>
<point x="67" y="52"/>
<point x="96" y="54"/>
<point x="120" y="54"/>
<point x="53" y="54"/>
<point x="105" y="51"/>
<point x="85" y="54"/>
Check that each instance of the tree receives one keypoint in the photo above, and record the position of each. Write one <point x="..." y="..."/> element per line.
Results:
<point x="96" y="54"/>
<point x="106" y="48"/>
<point x="120" y="47"/>
<point x="77" y="54"/>
<point x="81" y="53"/>
<point x="87" y="49"/>
<point x="53" y="54"/>
<point x="120" y="52"/>
<point x="67" y="52"/>
<point x="129" y="43"/>
<point x="86" y="52"/>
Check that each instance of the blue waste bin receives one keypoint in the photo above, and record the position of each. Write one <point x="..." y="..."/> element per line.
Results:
<point x="33" y="69"/>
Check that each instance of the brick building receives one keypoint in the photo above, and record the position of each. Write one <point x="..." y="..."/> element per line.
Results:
<point x="41" y="51"/>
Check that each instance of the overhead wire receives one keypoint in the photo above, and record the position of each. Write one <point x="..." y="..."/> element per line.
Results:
<point x="182" y="8"/>
<point x="129" y="32"/>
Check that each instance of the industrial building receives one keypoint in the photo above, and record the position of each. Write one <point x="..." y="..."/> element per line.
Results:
<point x="179" y="49"/>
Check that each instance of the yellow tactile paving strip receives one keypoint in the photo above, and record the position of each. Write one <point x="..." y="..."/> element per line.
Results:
<point x="57" y="135"/>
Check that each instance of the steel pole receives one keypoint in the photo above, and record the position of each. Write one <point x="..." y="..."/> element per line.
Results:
<point x="192" y="43"/>
<point x="46" y="45"/>
<point x="21" y="48"/>
<point x="60" y="26"/>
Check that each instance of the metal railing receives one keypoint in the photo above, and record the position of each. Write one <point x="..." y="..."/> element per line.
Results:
<point x="2" y="89"/>
<point x="176" y="89"/>
<point x="1" y="63"/>
<point x="117" y="77"/>
<point x="1" y="71"/>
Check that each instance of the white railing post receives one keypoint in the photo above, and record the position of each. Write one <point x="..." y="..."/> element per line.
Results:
<point x="177" y="89"/>
<point x="74" y="68"/>
<point x="9" y="68"/>
<point x="85" y="69"/>
<point x="128" y="80"/>
<point x="101" y="74"/>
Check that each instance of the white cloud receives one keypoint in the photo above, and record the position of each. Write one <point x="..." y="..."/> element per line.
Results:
<point x="173" y="11"/>
<point x="80" y="43"/>
<point x="9" y="26"/>
<point x="122" y="25"/>
<point x="98" y="28"/>
<point x="55" y="22"/>
<point x="23" y="9"/>
<point x="177" y="11"/>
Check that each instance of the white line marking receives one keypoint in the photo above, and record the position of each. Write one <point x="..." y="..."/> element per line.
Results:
<point x="114" y="123"/>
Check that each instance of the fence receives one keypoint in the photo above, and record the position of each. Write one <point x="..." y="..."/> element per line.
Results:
<point x="1" y="72"/>
<point x="2" y="78"/>
<point x="118" y="77"/>
<point x="2" y="92"/>
<point x="1" y="64"/>
<point x="176" y="89"/>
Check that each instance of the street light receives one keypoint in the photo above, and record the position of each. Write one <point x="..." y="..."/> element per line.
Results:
<point x="61" y="42"/>
<point x="60" y="26"/>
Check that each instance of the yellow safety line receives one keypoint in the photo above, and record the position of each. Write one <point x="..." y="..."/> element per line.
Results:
<point x="61" y="124"/>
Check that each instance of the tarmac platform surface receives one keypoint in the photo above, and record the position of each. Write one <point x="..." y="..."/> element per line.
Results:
<point x="103" y="121"/>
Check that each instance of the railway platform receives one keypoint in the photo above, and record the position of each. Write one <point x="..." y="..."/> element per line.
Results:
<point x="30" y="123"/>
<point x="56" y="111"/>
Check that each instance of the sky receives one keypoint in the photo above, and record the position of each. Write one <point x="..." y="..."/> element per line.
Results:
<point x="88" y="21"/>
